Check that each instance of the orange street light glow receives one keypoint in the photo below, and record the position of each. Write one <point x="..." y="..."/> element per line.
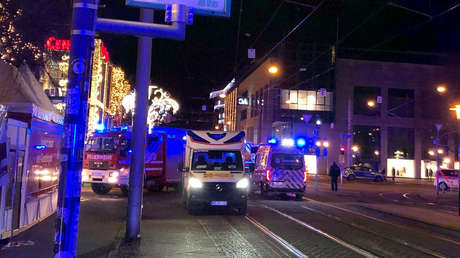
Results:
<point x="441" y="88"/>
<point x="457" y="110"/>
<point x="273" y="69"/>
<point x="371" y="103"/>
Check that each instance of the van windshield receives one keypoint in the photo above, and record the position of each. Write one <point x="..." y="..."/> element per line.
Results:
<point x="104" y="144"/>
<point x="217" y="160"/>
<point x="287" y="161"/>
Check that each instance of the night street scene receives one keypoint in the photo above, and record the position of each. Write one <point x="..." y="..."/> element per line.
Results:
<point x="229" y="128"/>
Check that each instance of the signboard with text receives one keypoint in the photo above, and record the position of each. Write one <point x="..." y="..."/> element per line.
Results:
<point x="204" y="7"/>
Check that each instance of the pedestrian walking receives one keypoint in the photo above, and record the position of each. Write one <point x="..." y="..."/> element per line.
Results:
<point x="334" y="173"/>
<point x="393" y="173"/>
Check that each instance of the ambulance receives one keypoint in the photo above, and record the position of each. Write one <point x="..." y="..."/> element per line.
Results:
<point x="280" y="169"/>
<point x="214" y="172"/>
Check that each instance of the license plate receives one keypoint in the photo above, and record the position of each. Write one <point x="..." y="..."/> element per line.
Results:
<point x="95" y="174"/>
<point x="277" y="183"/>
<point x="219" y="203"/>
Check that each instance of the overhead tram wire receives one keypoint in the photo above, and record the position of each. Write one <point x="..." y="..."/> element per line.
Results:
<point x="284" y="38"/>
<point x="338" y="42"/>
<point x="381" y="43"/>
<point x="267" y="24"/>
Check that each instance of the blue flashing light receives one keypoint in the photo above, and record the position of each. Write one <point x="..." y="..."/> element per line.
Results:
<point x="288" y="142"/>
<point x="40" y="147"/>
<point x="272" y="141"/>
<point x="300" y="142"/>
<point x="124" y="128"/>
<point x="100" y="127"/>
<point x="130" y="151"/>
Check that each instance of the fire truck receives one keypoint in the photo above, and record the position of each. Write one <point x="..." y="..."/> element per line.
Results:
<point x="107" y="158"/>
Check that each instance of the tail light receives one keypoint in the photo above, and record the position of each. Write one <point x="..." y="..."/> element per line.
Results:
<point x="305" y="176"/>
<point x="268" y="175"/>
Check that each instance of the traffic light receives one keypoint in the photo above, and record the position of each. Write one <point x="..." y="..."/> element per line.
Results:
<point x="342" y="150"/>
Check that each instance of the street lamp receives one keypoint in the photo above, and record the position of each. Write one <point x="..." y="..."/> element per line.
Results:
<point x="440" y="151"/>
<point x="355" y="148"/>
<point x="273" y="69"/>
<point x="431" y="153"/>
<point x="376" y="152"/>
<point x="326" y="144"/>
<point x="441" y="88"/>
<point x="318" y="122"/>
<point x="371" y="103"/>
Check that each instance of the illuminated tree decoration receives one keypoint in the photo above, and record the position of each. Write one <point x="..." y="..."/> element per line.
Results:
<point x="162" y="106"/>
<point x="120" y="88"/>
<point x="13" y="49"/>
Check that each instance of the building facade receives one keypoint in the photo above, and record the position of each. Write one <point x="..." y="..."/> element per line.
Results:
<point x="108" y="83"/>
<point x="381" y="113"/>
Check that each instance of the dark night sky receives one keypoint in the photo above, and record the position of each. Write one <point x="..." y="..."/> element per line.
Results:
<point x="205" y="60"/>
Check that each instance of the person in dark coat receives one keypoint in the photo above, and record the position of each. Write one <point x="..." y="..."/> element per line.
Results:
<point x="334" y="173"/>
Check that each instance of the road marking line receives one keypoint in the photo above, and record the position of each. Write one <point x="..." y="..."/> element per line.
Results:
<point x="376" y="219"/>
<point x="337" y="240"/>
<point x="277" y="238"/>
<point x="399" y="241"/>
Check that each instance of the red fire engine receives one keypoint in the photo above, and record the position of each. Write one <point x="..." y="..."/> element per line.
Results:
<point x="108" y="154"/>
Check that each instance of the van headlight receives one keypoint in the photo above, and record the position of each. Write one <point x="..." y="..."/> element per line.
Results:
<point x="195" y="183"/>
<point x="243" y="183"/>
<point x="113" y="174"/>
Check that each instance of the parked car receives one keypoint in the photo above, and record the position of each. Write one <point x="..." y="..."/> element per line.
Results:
<point x="363" y="171"/>
<point x="448" y="178"/>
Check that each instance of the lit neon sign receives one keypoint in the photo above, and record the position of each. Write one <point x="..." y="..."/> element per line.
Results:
<point x="64" y="45"/>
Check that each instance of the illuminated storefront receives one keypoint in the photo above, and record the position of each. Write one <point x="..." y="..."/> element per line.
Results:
<point x="108" y="83"/>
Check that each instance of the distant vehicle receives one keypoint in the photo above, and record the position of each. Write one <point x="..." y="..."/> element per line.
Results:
<point x="363" y="171"/>
<point x="448" y="178"/>
<point x="280" y="169"/>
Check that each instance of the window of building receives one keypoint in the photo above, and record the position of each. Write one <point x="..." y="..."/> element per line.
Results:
<point x="400" y="143"/>
<point x="367" y="139"/>
<point x="306" y="100"/>
<point x="401" y="102"/>
<point x="244" y="114"/>
<point x="365" y="101"/>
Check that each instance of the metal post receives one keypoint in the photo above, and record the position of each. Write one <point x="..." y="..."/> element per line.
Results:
<point x="458" y="158"/>
<point x="438" y="128"/>
<point x="136" y="173"/>
<point x="82" y="42"/>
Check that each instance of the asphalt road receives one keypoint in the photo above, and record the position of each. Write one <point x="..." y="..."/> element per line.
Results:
<point x="323" y="224"/>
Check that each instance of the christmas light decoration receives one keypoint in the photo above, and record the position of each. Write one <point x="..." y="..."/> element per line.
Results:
<point x="161" y="109"/>
<point x="13" y="49"/>
<point x="120" y="88"/>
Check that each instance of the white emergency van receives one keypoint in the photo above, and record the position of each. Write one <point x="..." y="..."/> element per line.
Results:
<point x="279" y="170"/>
<point x="214" y="173"/>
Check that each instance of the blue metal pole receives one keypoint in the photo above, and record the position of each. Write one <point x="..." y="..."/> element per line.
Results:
<point x="82" y="43"/>
<point x="136" y="173"/>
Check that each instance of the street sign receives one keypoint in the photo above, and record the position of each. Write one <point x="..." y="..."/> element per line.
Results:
<point x="204" y="7"/>
<point x="251" y="53"/>
<point x="323" y="92"/>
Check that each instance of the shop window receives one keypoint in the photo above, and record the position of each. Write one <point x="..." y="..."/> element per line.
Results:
<point x="365" y="101"/>
<point x="306" y="100"/>
<point x="400" y="102"/>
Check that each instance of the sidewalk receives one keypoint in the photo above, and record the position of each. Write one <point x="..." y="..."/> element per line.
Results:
<point x="371" y="196"/>
<point x="101" y="227"/>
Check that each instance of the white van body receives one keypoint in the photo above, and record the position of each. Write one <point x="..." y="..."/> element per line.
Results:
<point x="214" y="173"/>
